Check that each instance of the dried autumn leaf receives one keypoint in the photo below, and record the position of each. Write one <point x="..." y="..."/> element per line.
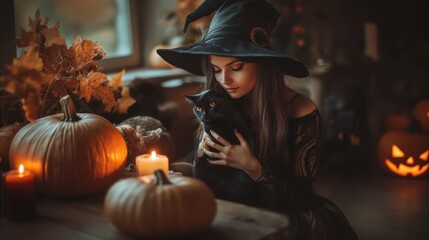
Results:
<point x="48" y="70"/>
<point x="27" y="60"/>
<point x="31" y="106"/>
<point x="35" y="83"/>
<point x="24" y="82"/>
<point x="26" y="38"/>
<point x="35" y="24"/>
<point x="116" y="80"/>
<point x="52" y="36"/>
<point x="31" y="36"/>
<point x="125" y="101"/>
<point x="94" y="85"/>
<point x="25" y="74"/>
<point x="57" y="88"/>
<point x="71" y="84"/>
<point x="61" y="87"/>
<point x="85" y="51"/>
<point x="109" y="103"/>
<point x="90" y="84"/>
<point x="53" y="59"/>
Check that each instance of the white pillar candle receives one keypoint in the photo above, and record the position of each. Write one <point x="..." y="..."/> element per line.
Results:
<point x="147" y="163"/>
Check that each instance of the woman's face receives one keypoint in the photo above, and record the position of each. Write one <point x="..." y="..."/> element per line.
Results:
<point x="236" y="77"/>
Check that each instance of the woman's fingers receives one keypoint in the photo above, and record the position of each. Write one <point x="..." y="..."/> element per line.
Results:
<point x="218" y="162"/>
<point x="218" y="155"/>
<point x="220" y="139"/>
<point x="215" y="145"/>
<point x="240" y="138"/>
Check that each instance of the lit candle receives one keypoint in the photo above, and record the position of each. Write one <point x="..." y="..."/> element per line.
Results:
<point x="20" y="194"/>
<point x="147" y="163"/>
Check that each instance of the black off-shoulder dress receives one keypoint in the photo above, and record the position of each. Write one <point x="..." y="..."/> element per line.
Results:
<point x="313" y="216"/>
<point x="290" y="190"/>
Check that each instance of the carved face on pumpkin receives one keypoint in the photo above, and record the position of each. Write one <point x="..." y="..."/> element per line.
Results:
<point x="404" y="154"/>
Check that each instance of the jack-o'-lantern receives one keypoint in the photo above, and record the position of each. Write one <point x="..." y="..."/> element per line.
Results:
<point x="404" y="154"/>
<point x="421" y="114"/>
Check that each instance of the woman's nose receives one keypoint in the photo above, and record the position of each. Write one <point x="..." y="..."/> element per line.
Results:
<point x="225" y="78"/>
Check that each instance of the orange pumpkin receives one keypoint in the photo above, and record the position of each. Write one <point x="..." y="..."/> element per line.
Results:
<point x="397" y="121"/>
<point x="70" y="154"/>
<point x="168" y="207"/>
<point x="421" y="113"/>
<point x="404" y="154"/>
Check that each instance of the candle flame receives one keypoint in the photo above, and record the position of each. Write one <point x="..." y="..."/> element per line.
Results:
<point x="21" y="168"/>
<point x="153" y="154"/>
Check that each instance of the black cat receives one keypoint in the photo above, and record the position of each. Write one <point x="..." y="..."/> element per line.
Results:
<point x="216" y="112"/>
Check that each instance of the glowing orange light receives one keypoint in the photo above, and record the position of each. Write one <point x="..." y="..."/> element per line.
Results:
<point x="404" y="170"/>
<point x="396" y="152"/>
<point x="300" y="42"/>
<point x="21" y="168"/>
<point x="424" y="156"/>
<point x="153" y="155"/>
<point x="298" y="29"/>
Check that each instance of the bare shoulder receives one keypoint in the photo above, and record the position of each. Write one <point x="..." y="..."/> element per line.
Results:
<point x="298" y="104"/>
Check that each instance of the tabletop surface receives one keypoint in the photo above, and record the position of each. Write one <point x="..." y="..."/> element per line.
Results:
<point x="84" y="219"/>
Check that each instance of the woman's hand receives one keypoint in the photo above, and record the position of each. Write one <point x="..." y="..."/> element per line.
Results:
<point x="236" y="156"/>
<point x="202" y="145"/>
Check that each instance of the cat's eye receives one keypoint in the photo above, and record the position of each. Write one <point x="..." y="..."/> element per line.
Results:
<point x="212" y="104"/>
<point x="198" y="109"/>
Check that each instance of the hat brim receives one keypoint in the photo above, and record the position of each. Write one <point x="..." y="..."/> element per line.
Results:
<point x="189" y="58"/>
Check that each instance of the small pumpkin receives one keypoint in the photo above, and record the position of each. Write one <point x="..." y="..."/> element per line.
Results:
<point x="404" y="154"/>
<point x="421" y="114"/>
<point x="397" y="121"/>
<point x="174" y="206"/>
<point x="145" y="134"/>
<point x="6" y="136"/>
<point x="70" y="154"/>
<point x="134" y="140"/>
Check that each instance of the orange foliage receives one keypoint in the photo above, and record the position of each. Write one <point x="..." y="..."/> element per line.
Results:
<point x="47" y="70"/>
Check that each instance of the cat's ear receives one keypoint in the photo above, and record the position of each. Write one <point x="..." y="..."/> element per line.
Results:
<point x="191" y="98"/>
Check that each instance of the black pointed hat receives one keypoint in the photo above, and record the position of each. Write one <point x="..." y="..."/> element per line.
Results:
<point x="239" y="28"/>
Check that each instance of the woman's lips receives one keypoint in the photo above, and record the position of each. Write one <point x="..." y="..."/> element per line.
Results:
<point x="231" y="90"/>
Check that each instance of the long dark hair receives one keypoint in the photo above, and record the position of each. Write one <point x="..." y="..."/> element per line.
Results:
<point x="266" y="106"/>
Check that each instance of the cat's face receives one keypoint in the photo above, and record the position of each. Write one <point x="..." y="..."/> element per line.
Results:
<point x="210" y="105"/>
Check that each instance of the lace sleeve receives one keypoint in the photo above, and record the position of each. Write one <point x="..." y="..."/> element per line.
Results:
<point x="305" y="144"/>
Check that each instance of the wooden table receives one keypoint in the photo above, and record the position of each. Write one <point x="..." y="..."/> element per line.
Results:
<point x="84" y="219"/>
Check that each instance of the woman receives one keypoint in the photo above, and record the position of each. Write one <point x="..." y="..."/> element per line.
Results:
<point x="236" y="57"/>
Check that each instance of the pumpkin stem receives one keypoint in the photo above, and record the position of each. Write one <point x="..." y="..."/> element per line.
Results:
<point x="68" y="109"/>
<point x="161" y="179"/>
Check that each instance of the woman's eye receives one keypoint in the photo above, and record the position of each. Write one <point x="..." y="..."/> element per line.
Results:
<point x="237" y="68"/>
<point x="198" y="109"/>
<point x="212" y="104"/>
<point x="216" y="70"/>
